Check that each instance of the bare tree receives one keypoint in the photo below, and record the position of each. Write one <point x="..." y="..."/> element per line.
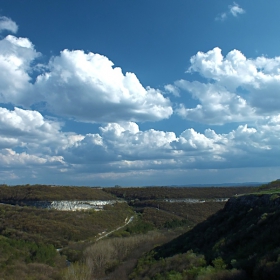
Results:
<point x="77" y="271"/>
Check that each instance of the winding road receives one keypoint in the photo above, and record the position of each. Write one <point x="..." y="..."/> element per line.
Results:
<point x="126" y="222"/>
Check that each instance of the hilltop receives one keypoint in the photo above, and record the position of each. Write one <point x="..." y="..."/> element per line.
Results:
<point x="20" y="193"/>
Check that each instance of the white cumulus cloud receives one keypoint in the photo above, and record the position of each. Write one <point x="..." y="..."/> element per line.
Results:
<point x="16" y="55"/>
<point x="28" y="127"/>
<point x="82" y="86"/>
<point x="122" y="142"/>
<point x="29" y="130"/>
<point x="10" y="158"/>
<point x="121" y="148"/>
<point x="86" y="87"/>
<point x="124" y="148"/>
<point x="238" y="89"/>
<point x="216" y="104"/>
<point x="172" y="89"/>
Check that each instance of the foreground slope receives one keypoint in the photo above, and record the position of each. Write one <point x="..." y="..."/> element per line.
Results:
<point x="241" y="241"/>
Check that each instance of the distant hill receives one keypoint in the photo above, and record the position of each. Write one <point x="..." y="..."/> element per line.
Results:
<point x="247" y="184"/>
<point x="20" y="193"/>
<point x="153" y="193"/>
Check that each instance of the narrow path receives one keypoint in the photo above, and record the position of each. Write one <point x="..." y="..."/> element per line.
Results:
<point x="125" y="224"/>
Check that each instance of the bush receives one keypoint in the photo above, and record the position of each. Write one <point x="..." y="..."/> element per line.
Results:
<point x="77" y="271"/>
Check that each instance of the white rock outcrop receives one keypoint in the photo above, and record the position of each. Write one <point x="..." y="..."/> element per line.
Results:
<point x="80" y="205"/>
<point x="67" y="205"/>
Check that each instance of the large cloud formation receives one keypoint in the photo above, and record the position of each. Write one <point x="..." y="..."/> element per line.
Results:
<point x="77" y="85"/>
<point x="31" y="142"/>
<point x="237" y="89"/>
<point x="16" y="55"/>
<point x="87" y="87"/>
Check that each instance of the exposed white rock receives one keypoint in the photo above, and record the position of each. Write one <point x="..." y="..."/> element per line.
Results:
<point x="65" y="205"/>
<point x="193" y="200"/>
<point x="80" y="205"/>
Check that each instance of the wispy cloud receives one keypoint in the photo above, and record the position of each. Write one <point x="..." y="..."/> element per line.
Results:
<point x="7" y="24"/>
<point x="234" y="10"/>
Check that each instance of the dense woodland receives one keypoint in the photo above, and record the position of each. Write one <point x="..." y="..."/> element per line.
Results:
<point x="193" y="212"/>
<point x="29" y="237"/>
<point x="59" y="227"/>
<point x="203" y="240"/>
<point x="152" y="193"/>
<point x="240" y="241"/>
<point x="17" y="194"/>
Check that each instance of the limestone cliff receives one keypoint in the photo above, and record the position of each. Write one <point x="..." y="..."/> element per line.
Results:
<point x="65" y="205"/>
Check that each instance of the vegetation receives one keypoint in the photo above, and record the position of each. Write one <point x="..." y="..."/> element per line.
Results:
<point x="161" y="212"/>
<point x="152" y="193"/>
<point x="20" y="259"/>
<point x="29" y="236"/>
<point x="116" y="257"/>
<point x="272" y="187"/>
<point x="233" y="240"/>
<point x="59" y="227"/>
<point x="183" y="266"/>
<point x="239" y="241"/>
<point x="20" y="193"/>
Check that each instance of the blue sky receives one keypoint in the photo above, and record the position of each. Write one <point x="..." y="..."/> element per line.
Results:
<point x="139" y="92"/>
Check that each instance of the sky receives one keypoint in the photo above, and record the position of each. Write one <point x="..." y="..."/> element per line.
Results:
<point x="139" y="92"/>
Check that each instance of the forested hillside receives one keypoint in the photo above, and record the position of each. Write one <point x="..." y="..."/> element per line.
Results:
<point x="241" y="241"/>
<point x="17" y="194"/>
<point x="237" y="239"/>
<point x="151" y="193"/>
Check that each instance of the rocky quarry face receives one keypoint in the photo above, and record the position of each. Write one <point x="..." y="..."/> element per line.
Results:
<point x="65" y="205"/>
